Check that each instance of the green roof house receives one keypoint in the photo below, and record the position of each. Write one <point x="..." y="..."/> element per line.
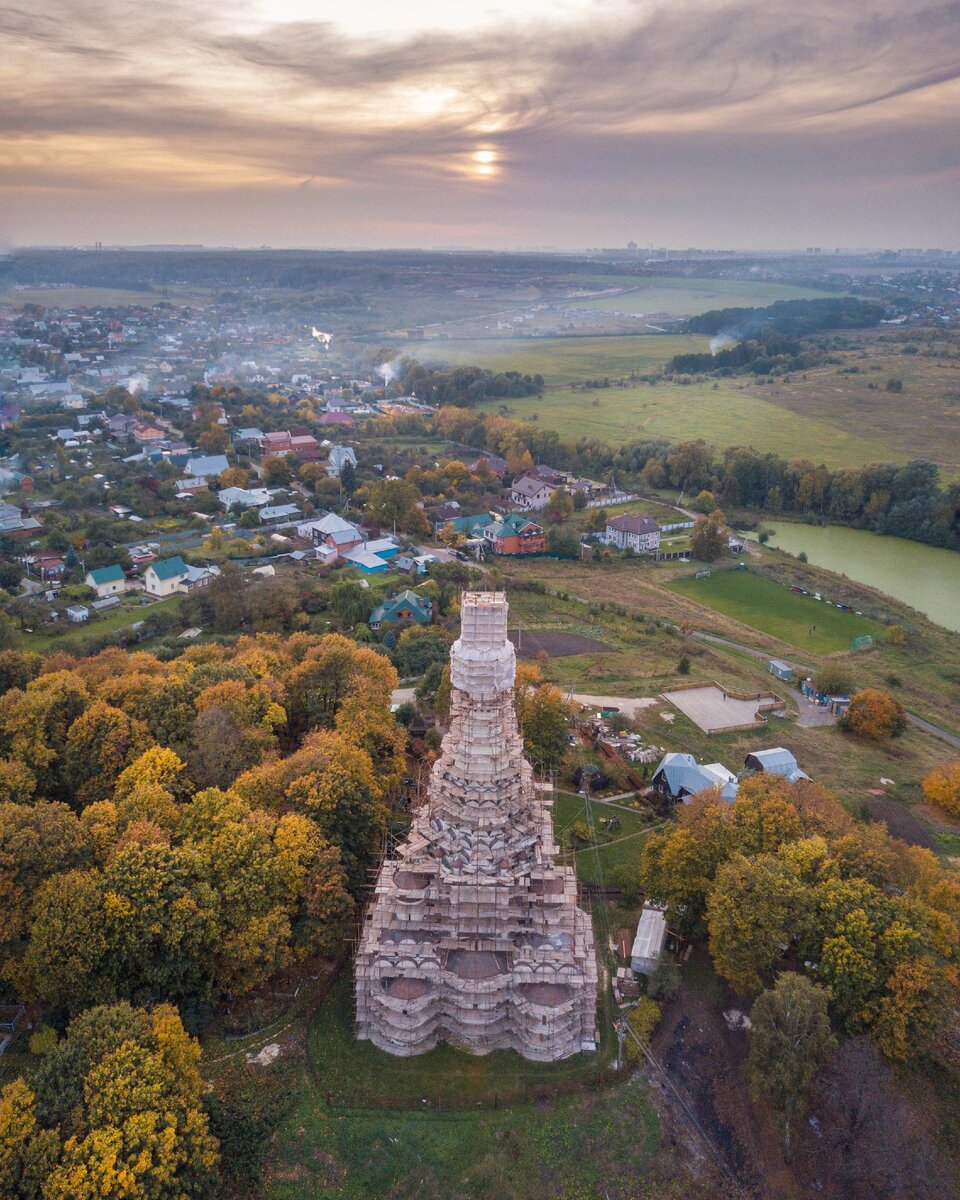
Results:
<point x="406" y="608"/>
<point x="163" y="578"/>
<point x="106" y="581"/>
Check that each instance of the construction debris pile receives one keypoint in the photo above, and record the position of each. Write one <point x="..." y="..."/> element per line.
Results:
<point x="474" y="936"/>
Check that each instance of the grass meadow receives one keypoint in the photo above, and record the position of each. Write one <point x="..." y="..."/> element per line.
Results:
<point x="561" y="360"/>
<point x="722" y="412"/>
<point x="93" y="297"/>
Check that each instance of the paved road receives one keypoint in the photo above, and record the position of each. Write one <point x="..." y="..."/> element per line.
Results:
<point x="934" y="730"/>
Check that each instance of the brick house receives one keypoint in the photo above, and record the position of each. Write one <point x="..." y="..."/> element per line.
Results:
<point x="634" y="531"/>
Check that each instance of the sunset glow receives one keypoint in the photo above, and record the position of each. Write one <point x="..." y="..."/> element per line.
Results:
<point x="610" y="122"/>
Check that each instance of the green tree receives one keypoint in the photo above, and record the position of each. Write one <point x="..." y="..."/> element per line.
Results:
<point x="833" y="679"/>
<point x="544" y="717"/>
<point x="348" y="478"/>
<point x="350" y="601"/>
<point x="394" y="503"/>
<point x="790" y="1039"/>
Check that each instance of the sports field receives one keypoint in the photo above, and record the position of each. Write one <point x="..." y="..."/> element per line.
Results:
<point x="689" y="297"/>
<point x="801" y="621"/>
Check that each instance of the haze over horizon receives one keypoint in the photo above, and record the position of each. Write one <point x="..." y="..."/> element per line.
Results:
<point x="733" y="124"/>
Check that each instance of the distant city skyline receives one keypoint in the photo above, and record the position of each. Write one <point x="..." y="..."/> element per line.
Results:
<point x="727" y="125"/>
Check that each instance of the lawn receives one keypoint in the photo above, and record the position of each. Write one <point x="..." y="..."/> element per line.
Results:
<point x="689" y="297"/>
<point x="802" y="621"/>
<point x="128" y="614"/>
<point x="851" y="395"/>
<point x="567" y="1150"/>
<point x="605" y="850"/>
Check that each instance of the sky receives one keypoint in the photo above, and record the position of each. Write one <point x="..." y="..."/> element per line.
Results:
<point x="748" y="124"/>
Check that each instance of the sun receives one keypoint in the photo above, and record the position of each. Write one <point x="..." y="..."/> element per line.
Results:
<point x="483" y="163"/>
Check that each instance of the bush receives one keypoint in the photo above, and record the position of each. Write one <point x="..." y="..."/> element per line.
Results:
<point x="665" y="981"/>
<point x="43" y="1040"/>
<point x="833" y="679"/>
<point x="580" y="832"/>
<point x="683" y="666"/>
<point x="642" y="1022"/>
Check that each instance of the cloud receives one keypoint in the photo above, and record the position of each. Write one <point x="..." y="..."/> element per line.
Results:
<point x="187" y="96"/>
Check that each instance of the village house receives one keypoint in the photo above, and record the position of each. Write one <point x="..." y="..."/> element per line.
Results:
<point x="164" y="577"/>
<point x="514" y="534"/>
<point x="776" y="761"/>
<point x="406" y="608"/>
<point x="679" y="776"/>
<point x="532" y="491"/>
<point x="145" y="434"/>
<point x="331" y="530"/>
<point x="206" y="467"/>
<point x="237" y="497"/>
<point x="106" y="581"/>
<point x="491" y="462"/>
<point x="372" y="557"/>
<point x="198" y="578"/>
<point x="14" y="524"/>
<point x="275" y="514"/>
<point x="337" y="459"/>
<point x="633" y="531"/>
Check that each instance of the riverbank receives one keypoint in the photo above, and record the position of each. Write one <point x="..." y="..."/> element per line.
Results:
<point x="925" y="577"/>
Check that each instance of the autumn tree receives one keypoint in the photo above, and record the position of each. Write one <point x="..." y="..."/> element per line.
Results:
<point x="752" y="911"/>
<point x="394" y="504"/>
<point x="874" y="714"/>
<point x="340" y="793"/>
<point x="100" y="744"/>
<point x="28" y="1153"/>
<point x="942" y="788"/>
<point x="790" y="1039"/>
<point x="708" y="540"/>
<point x="139" y="1131"/>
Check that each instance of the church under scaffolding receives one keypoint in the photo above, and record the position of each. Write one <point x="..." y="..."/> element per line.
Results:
<point x="474" y="936"/>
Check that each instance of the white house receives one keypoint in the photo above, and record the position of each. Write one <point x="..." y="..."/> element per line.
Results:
<point x="163" y="578"/>
<point x="635" y="531"/>
<point x="529" y="491"/>
<point x="237" y="497"/>
<point x="106" y="581"/>
<point x="338" y="457"/>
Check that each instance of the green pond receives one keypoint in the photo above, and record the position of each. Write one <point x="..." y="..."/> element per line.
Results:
<point x="924" y="577"/>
